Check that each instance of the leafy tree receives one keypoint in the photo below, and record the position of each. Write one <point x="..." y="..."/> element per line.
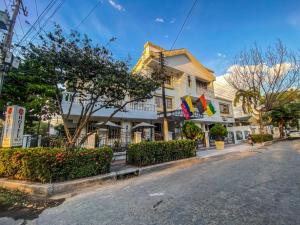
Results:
<point x="284" y="115"/>
<point x="28" y="89"/>
<point x="192" y="131"/>
<point x="38" y="127"/>
<point x="218" y="131"/>
<point x="93" y="79"/>
<point x="265" y="79"/>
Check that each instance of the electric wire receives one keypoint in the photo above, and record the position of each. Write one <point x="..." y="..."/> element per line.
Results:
<point x="185" y="20"/>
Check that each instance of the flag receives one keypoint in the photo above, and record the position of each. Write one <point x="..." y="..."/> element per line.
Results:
<point x="203" y="102"/>
<point x="187" y="107"/>
<point x="185" y="111"/>
<point x="210" y="109"/>
<point x="199" y="106"/>
<point x="188" y="100"/>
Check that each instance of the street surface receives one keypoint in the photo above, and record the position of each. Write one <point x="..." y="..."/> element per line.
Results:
<point x="258" y="187"/>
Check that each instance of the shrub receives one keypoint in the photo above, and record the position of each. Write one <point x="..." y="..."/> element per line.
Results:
<point x="219" y="132"/>
<point x="148" y="153"/>
<point x="192" y="131"/>
<point x="53" y="164"/>
<point x="258" y="138"/>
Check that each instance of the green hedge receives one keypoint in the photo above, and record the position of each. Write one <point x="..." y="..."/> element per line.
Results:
<point x="257" y="138"/>
<point x="53" y="164"/>
<point x="148" y="153"/>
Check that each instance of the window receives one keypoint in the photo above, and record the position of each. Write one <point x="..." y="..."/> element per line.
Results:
<point x="189" y="81"/>
<point x="224" y="108"/>
<point x="168" y="80"/>
<point x="114" y="132"/>
<point x="239" y="135"/>
<point x="246" y="134"/>
<point x="169" y="103"/>
<point x="201" y="84"/>
<point x="159" y="102"/>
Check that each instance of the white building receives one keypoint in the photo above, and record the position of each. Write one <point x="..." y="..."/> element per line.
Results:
<point x="185" y="76"/>
<point x="245" y="123"/>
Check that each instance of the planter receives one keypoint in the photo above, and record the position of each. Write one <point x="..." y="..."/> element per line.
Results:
<point x="219" y="145"/>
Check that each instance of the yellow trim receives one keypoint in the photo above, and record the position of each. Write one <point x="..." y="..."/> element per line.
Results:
<point x="149" y="54"/>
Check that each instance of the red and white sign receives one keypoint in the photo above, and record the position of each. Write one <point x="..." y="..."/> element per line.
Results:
<point x="13" y="126"/>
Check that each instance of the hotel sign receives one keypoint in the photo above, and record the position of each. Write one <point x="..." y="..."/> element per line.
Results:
<point x="13" y="126"/>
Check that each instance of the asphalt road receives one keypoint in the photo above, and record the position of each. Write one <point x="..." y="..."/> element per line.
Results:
<point x="261" y="187"/>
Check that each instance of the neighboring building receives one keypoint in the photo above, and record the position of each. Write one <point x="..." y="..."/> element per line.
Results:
<point x="245" y="123"/>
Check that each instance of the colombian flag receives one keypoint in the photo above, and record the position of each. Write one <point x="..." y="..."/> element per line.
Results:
<point x="185" y="110"/>
<point x="190" y="104"/>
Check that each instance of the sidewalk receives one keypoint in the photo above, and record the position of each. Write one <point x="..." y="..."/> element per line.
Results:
<point x="226" y="150"/>
<point x="119" y="170"/>
<point x="120" y="164"/>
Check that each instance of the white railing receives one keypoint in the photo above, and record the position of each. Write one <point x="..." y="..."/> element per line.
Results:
<point x="207" y="92"/>
<point x="138" y="106"/>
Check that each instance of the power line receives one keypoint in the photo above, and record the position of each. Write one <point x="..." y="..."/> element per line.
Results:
<point x="45" y="23"/>
<point x="87" y="16"/>
<point x="6" y="5"/>
<point x="45" y="11"/>
<point x="37" y="12"/>
<point x="21" y="26"/>
<point x="182" y="26"/>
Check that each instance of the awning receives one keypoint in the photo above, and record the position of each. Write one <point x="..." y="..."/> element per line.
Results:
<point x="143" y="125"/>
<point x="109" y="124"/>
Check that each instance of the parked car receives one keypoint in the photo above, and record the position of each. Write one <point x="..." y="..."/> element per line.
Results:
<point x="294" y="134"/>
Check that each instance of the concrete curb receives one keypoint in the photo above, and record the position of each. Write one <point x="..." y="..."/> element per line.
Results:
<point x="50" y="189"/>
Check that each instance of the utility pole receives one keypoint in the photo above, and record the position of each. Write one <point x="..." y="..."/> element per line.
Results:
<point x="6" y="45"/>
<point x="165" y="120"/>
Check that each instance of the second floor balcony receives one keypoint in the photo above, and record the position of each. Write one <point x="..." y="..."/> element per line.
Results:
<point x="133" y="110"/>
<point x="207" y="92"/>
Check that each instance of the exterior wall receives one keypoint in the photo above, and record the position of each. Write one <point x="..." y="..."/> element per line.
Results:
<point x="180" y="88"/>
<point x="142" y="110"/>
<point x="243" y="130"/>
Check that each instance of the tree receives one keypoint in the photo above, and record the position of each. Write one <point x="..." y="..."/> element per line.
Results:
<point x="264" y="80"/>
<point x="192" y="131"/>
<point x="91" y="76"/>
<point x="283" y="115"/>
<point x="28" y="89"/>
<point x="218" y="131"/>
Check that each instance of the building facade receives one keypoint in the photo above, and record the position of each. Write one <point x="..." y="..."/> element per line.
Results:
<point x="184" y="76"/>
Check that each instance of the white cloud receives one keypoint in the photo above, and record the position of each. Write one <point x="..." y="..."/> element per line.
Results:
<point x="116" y="5"/>
<point x="172" y="20"/>
<point x="294" y="20"/>
<point x="159" y="20"/>
<point x="221" y="55"/>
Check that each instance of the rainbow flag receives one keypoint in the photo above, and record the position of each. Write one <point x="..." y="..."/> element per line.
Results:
<point x="210" y="109"/>
<point x="188" y="100"/>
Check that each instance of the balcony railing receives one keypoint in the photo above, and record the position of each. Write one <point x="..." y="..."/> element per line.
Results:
<point x="207" y="92"/>
<point x="138" y="106"/>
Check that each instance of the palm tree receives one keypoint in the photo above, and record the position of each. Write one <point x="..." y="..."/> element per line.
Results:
<point x="281" y="116"/>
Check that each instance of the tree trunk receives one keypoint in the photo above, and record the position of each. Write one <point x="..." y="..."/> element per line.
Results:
<point x="38" y="128"/>
<point x="261" y="127"/>
<point x="281" y="123"/>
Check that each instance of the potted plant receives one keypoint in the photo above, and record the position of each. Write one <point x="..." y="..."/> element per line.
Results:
<point x="219" y="132"/>
<point x="192" y="131"/>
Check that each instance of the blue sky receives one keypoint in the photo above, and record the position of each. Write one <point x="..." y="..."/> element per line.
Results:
<point x="216" y="31"/>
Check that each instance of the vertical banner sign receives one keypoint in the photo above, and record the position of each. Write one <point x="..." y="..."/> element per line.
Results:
<point x="13" y="126"/>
